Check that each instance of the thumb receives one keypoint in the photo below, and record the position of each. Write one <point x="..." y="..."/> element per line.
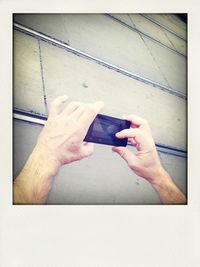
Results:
<point x="88" y="148"/>
<point x="126" y="154"/>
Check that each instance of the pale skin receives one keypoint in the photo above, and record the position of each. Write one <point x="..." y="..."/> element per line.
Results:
<point x="146" y="163"/>
<point x="61" y="142"/>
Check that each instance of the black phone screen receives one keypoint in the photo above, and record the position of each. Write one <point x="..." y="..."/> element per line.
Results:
<point x="103" y="130"/>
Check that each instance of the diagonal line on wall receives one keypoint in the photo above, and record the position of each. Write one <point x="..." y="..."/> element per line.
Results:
<point x="42" y="77"/>
<point x="163" y="75"/>
<point x="145" y="35"/>
<point x="164" y="27"/>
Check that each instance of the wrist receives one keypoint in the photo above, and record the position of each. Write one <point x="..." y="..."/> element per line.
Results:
<point x="35" y="180"/>
<point x="167" y="190"/>
<point x="45" y="161"/>
<point x="161" y="179"/>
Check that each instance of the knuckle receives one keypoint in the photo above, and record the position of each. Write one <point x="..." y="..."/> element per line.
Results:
<point x="91" y="109"/>
<point x="87" y="154"/>
<point x="74" y="147"/>
<point x="54" y="103"/>
<point x="122" y="153"/>
<point x="75" y="103"/>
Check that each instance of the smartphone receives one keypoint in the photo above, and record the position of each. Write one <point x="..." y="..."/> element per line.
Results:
<point x="103" y="130"/>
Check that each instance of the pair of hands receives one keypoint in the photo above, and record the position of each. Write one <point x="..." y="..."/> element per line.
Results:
<point x="62" y="138"/>
<point x="61" y="142"/>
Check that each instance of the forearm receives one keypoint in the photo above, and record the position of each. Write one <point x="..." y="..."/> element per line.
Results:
<point x="168" y="192"/>
<point x="35" y="180"/>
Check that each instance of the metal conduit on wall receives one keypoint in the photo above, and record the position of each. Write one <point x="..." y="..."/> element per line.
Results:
<point x="40" y="119"/>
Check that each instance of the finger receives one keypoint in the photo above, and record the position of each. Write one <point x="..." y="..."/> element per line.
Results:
<point x="88" y="144"/>
<point x="128" y="133"/>
<point x="142" y="141"/>
<point x="132" y="141"/>
<point x="135" y="120"/>
<point x="89" y="114"/>
<point x="71" y="108"/>
<point x="126" y="154"/>
<point x="76" y="114"/>
<point x="56" y="105"/>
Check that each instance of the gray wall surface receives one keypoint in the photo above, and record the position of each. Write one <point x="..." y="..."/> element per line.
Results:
<point x="103" y="37"/>
<point x="134" y="42"/>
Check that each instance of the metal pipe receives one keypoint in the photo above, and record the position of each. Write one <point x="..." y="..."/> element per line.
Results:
<point x="41" y="119"/>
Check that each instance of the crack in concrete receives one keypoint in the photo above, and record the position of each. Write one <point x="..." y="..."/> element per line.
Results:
<point x="163" y="75"/>
<point x="42" y="77"/>
<point x="163" y="30"/>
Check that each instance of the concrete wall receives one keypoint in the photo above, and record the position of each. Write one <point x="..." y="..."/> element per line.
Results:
<point x="133" y="42"/>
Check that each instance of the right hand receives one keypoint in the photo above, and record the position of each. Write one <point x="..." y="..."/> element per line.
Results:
<point x="61" y="139"/>
<point x="145" y="161"/>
